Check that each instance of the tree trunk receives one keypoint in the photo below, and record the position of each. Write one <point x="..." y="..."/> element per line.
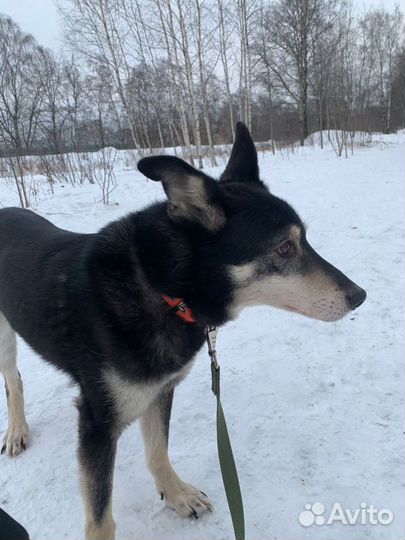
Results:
<point x="224" y="60"/>
<point x="203" y="86"/>
<point x="176" y="85"/>
<point x="190" y="84"/>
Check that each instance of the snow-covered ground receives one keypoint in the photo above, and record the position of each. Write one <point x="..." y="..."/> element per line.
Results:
<point x="315" y="410"/>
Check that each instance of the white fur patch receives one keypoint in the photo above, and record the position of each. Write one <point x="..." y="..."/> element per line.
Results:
<point x="132" y="399"/>
<point x="242" y="274"/>
<point x="314" y="295"/>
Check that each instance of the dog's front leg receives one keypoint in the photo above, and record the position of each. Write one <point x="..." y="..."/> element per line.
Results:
<point x="184" y="498"/>
<point x="97" y="448"/>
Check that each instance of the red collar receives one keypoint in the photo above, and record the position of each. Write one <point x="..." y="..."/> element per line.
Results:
<point x="180" y="308"/>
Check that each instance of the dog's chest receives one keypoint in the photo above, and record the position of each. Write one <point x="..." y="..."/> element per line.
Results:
<point x="132" y="399"/>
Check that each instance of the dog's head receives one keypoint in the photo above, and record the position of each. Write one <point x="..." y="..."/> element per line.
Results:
<point x="257" y="239"/>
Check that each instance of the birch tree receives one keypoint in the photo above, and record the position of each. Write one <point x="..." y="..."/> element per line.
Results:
<point x="246" y="12"/>
<point x="207" y="60"/>
<point x="166" y="19"/>
<point x="92" y="27"/>
<point x="225" y="28"/>
<point x="383" y="30"/>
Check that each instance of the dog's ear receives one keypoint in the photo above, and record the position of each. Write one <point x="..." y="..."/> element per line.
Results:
<point x="242" y="165"/>
<point x="192" y="195"/>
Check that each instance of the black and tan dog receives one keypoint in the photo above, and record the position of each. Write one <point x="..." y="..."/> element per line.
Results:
<point x="100" y="306"/>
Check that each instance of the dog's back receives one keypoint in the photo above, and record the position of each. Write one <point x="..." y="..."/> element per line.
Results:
<point x="35" y="256"/>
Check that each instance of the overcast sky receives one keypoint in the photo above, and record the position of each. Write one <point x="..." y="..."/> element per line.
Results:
<point x="40" y="17"/>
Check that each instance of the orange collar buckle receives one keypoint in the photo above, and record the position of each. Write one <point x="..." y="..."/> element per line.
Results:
<point x="180" y="308"/>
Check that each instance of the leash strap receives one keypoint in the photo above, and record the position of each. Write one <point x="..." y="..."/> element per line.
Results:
<point x="225" y="454"/>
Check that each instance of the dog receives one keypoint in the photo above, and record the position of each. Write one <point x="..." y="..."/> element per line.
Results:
<point x="124" y="311"/>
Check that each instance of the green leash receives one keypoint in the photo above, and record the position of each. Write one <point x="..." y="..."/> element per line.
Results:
<point x="225" y="454"/>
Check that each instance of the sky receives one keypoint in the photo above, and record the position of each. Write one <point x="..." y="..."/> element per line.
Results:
<point x="40" y="17"/>
<point x="37" y="17"/>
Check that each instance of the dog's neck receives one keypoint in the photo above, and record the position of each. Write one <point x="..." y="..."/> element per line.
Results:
<point x="173" y="261"/>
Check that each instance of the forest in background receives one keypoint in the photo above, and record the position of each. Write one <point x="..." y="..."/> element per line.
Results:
<point x="149" y="74"/>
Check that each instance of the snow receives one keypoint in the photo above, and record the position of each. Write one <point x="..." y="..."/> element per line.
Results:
<point x="315" y="410"/>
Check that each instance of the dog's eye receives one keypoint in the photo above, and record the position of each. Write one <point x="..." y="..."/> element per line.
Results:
<point x="286" y="249"/>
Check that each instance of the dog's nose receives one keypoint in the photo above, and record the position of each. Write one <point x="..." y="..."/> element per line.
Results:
<point x="356" y="297"/>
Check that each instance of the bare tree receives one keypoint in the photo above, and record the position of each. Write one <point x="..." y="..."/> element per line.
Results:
<point x="20" y="97"/>
<point x="264" y="72"/>
<point x="153" y="73"/>
<point x="398" y="91"/>
<point x="293" y="26"/>
<point x="166" y="20"/>
<point x="224" y="38"/>
<point x="383" y="30"/>
<point x="203" y="37"/>
<point x="54" y="112"/>
<point x="74" y="100"/>
<point x="246" y="12"/>
<point x="93" y="28"/>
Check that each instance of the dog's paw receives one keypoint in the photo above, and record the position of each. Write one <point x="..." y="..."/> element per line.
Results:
<point x="15" y="440"/>
<point x="187" y="500"/>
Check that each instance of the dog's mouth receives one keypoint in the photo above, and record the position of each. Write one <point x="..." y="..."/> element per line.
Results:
<point x="320" y="315"/>
<point x="292" y="308"/>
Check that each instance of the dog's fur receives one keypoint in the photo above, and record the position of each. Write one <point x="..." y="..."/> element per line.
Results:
<point x="91" y="304"/>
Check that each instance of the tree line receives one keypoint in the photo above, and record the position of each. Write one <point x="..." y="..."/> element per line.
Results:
<point x="150" y="74"/>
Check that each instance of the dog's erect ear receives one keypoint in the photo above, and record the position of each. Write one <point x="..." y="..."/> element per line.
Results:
<point x="192" y="195"/>
<point x="242" y="165"/>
